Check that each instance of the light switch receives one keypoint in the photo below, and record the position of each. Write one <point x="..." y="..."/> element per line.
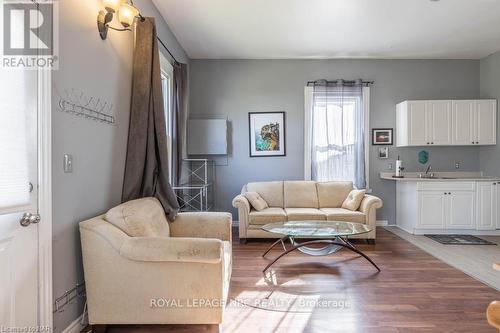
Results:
<point x="68" y="163"/>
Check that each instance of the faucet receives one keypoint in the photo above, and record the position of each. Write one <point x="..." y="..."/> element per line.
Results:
<point x="428" y="173"/>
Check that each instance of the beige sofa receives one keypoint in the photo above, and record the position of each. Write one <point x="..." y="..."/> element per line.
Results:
<point x="140" y="269"/>
<point x="302" y="200"/>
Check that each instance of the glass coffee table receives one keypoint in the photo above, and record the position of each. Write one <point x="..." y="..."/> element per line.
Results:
<point x="332" y="234"/>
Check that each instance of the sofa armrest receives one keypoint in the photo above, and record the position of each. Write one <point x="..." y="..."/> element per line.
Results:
<point x="202" y="225"/>
<point x="368" y="202"/>
<point x="169" y="249"/>
<point x="241" y="202"/>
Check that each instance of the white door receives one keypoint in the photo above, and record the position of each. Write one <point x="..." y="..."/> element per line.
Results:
<point x="486" y="209"/>
<point x="418" y="123"/>
<point x="431" y="210"/>
<point x="461" y="210"/>
<point x="486" y="122"/>
<point x="463" y="122"/>
<point x="439" y="122"/>
<point x="18" y="168"/>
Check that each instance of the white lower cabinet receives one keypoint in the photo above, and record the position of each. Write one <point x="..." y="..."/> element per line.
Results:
<point x="461" y="212"/>
<point x="446" y="209"/>
<point x="447" y="206"/>
<point x="431" y="210"/>
<point x="488" y="198"/>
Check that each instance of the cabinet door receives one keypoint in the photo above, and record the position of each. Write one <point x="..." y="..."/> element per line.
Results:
<point x="439" y="126"/>
<point x="418" y="123"/>
<point x="486" y="122"/>
<point x="486" y="206"/>
<point x="461" y="206"/>
<point x="463" y="122"/>
<point x="496" y="203"/>
<point x="431" y="210"/>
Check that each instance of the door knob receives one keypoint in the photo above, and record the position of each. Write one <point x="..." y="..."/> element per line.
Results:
<point x="29" y="218"/>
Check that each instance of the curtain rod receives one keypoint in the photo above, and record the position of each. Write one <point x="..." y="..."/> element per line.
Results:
<point x="348" y="82"/>
<point x="166" y="48"/>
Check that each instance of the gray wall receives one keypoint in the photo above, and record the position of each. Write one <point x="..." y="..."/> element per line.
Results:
<point x="489" y="156"/>
<point x="103" y="69"/>
<point x="235" y="87"/>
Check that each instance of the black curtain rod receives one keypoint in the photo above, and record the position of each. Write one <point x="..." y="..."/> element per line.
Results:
<point x="347" y="82"/>
<point x="166" y="48"/>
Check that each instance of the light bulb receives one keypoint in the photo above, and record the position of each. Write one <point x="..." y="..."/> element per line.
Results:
<point x="127" y="14"/>
<point x="112" y="5"/>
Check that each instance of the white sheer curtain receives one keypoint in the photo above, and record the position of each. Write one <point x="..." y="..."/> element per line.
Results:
<point x="338" y="132"/>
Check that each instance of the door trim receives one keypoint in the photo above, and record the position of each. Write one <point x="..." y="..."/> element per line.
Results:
<point x="45" y="297"/>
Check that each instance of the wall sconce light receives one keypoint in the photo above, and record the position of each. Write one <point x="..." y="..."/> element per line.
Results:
<point x="126" y="11"/>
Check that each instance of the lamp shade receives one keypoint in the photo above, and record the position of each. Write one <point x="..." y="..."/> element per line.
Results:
<point x="112" y="5"/>
<point x="127" y="14"/>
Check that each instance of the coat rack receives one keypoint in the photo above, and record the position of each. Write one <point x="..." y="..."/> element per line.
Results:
<point x="93" y="108"/>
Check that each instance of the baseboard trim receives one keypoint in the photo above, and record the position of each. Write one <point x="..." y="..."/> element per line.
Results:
<point x="382" y="223"/>
<point x="76" y="326"/>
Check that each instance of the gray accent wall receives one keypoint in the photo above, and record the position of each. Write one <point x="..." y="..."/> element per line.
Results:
<point x="489" y="156"/>
<point x="233" y="88"/>
<point x="102" y="69"/>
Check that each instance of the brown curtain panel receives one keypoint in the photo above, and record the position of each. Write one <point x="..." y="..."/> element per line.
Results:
<point x="146" y="168"/>
<point x="180" y="116"/>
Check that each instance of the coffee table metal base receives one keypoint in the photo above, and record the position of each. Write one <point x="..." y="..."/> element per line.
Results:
<point x="330" y="246"/>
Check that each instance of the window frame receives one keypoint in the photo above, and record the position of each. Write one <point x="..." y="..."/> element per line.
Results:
<point x="308" y="109"/>
<point x="167" y="72"/>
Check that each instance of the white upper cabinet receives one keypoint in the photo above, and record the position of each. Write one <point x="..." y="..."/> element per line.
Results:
<point x="463" y="122"/>
<point x="486" y="122"/>
<point x="439" y="122"/>
<point x="446" y="123"/>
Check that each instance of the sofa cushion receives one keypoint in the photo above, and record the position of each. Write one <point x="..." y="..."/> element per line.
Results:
<point x="300" y="194"/>
<point x="333" y="194"/>
<point x="353" y="200"/>
<point x="298" y="214"/>
<point x="271" y="192"/>
<point x="346" y="215"/>
<point x="143" y="217"/>
<point x="256" y="200"/>
<point x="267" y="215"/>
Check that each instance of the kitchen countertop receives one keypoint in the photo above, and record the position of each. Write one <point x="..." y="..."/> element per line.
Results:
<point x="440" y="177"/>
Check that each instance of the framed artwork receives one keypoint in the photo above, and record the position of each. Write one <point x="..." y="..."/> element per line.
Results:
<point x="266" y="134"/>
<point x="383" y="152"/>
<point x="382" y="136"/>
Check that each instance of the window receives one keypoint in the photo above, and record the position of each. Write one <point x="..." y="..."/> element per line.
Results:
<point x="336" y="134"/>
<point x="166" y="85"/>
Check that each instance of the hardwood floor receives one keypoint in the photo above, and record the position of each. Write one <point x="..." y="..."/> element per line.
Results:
<point x="342" y="292"/>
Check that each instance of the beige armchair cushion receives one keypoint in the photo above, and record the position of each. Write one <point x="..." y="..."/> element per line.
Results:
<point x="342" y="214"/>
<point x="256" y="201"/>
<point x="271" y="192"/>
<point x="297" y="214"/>
<point x="300" y="194"/>
<point x="267" y="215"/>
<point x="333" y="194"/>
<point x="143" y="217"/>
<point x="353" y="200"/>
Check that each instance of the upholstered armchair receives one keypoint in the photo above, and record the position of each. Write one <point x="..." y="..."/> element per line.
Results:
<point x="140" y="269"/>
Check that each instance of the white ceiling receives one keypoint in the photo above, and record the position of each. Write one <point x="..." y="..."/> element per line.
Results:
<point x="270" y="29"/>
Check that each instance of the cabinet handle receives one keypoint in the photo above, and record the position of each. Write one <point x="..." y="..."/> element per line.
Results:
<point x="449" y="192"/>
<point x="427" y="142"/>
<point x="477" y="142"/>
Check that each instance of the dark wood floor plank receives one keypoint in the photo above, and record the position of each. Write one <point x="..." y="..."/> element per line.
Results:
<point x="414" y="292"/>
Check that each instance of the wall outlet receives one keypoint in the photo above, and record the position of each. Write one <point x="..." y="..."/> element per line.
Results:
<point x="390" y="166"/>
<point x="457" y="165"/>
<point x="68" y="163"/>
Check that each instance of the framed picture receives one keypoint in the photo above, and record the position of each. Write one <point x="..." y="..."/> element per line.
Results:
<point x="266" y="134"/>
<point x="382" y="136"/>
<point x="383" y="152"/>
